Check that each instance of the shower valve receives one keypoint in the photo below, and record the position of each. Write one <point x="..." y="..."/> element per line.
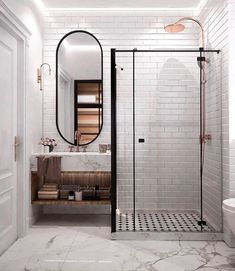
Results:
<point x="206" y="137"/>
<point x="201" y="58"/>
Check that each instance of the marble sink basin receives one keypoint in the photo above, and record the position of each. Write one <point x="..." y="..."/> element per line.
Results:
<point x="78" y="161"/>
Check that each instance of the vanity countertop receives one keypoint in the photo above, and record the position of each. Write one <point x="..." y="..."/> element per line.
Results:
<point x="78" y="161"/>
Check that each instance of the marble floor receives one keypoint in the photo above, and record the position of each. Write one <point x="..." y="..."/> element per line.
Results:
<point x="73" y="245"/>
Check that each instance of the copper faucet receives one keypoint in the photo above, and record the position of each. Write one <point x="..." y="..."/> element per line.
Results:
<point x="77" y="136"/>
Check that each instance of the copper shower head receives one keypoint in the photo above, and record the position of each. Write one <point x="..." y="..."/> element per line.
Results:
<point x="179" y="27"/>
<point x="174" y="28"/>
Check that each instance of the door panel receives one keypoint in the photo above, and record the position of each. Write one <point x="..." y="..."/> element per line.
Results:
<point x="8" y="123"/>
<point x="5" y="206"/>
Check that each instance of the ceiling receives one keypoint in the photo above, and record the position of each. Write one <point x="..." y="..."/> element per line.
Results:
<point x="156" y="4"/>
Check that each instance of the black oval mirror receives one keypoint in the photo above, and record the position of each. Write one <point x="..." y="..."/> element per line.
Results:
<point x="79" y="87"/>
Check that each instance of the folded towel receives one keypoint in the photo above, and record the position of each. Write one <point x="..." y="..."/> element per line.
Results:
<point x="49" y="167"/>
<point x="42" y="165"/>
<point x="53" y="168"/>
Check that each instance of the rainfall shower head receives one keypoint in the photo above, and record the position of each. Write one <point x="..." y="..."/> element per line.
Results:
<point x="174" y="28"/>
<point x="179" y="27"/>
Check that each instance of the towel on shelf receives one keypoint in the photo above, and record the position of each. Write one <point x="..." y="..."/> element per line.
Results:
<point x="42" y="165"/>
<point x="49" y="167"/>
<point x="53" y="171"/>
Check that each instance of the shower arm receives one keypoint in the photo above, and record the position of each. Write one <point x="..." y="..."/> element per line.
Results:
<point x="200" y="25"/>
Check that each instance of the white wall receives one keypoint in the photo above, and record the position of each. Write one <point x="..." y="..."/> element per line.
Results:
<point x="179" y="186"/>
<point x="145" y="30"/>
<point x="116" y="29"/>
<point x="214" y="17"/>
<point x="229" y="237"/>
<point x="167" y="117"/>
<point x="231" y="62"/>
<point x="218" y="18"/>
<point x="27" y="12"/>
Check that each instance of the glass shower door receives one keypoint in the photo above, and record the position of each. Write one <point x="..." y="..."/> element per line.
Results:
<point x="167" y="167"/>
<point x="124" y="143"/>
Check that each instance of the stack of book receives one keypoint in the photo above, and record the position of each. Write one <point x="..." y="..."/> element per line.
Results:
<point x="49" y="191"/>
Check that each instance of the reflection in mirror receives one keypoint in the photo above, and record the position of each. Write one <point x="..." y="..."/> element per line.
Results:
<point x="89" y="112"/>
<point x="79" y="87"/>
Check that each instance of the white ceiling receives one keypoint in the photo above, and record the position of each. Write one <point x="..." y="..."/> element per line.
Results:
<point x="157" y="4"/>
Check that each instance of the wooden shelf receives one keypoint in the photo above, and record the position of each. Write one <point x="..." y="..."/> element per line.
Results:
<point x="82" y="178"/>
<point x="96" y="112"/>
<point x="89" y="105"/>
<point x="69" y="202"/>
<point x="88" y="124"/>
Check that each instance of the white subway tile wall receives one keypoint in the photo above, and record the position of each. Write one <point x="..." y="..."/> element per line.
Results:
<point x="230" y="159"/>
<point x="167" y="105"/>
<point x="121" y="29"/>
<point x="232" y="97"/>
<point x="167" y="118"/>
<point x="214" y="17"/>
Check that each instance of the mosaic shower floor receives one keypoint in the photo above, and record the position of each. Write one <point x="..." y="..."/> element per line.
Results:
<point x="161" y="222"/>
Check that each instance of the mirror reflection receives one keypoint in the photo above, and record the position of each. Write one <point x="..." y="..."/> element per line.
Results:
<point x="79" y="87"/>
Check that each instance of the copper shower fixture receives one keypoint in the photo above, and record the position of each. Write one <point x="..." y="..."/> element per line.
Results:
<point x="179" y="27"/>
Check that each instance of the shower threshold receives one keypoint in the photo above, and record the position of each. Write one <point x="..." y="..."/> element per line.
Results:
<point x="163" y="225"/>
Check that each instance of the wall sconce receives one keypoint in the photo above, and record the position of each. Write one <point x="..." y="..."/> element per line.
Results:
<point x="39" y="74"/>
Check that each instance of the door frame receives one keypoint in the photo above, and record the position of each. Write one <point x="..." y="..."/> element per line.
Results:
<point x="18" y="30"/>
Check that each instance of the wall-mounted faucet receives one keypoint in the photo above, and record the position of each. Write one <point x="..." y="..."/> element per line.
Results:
<point x="77" y="136"/>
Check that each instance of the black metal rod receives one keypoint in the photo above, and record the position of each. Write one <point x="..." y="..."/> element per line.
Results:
<point x="201" y="134"/>
<point x="99" y="89"/>
<point x="169" y="51"/>
<point x="75" y="110"/>
<point x="113" y="143"/>
<point x="133" y="127"/>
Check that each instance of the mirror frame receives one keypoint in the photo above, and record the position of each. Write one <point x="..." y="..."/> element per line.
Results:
<point x="102" y="107"/>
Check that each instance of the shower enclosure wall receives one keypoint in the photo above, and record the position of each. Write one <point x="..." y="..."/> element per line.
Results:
<point x="163" y="179"/>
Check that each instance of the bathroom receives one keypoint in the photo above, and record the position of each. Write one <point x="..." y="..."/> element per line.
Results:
<point x="163" y="149"/>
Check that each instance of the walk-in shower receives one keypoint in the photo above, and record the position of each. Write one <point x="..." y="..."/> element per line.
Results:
<point x="202" y="61"/>
<point x="161" y="118"/>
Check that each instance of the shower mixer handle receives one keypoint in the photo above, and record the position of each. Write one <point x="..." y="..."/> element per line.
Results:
<point x="201" y="58"/>
<point x="205" y="138"/>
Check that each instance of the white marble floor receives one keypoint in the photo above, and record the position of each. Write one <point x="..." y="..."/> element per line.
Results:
<point x="79" y="247"/>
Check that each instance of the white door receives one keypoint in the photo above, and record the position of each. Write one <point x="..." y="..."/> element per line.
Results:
<point x="8" y="124"/>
